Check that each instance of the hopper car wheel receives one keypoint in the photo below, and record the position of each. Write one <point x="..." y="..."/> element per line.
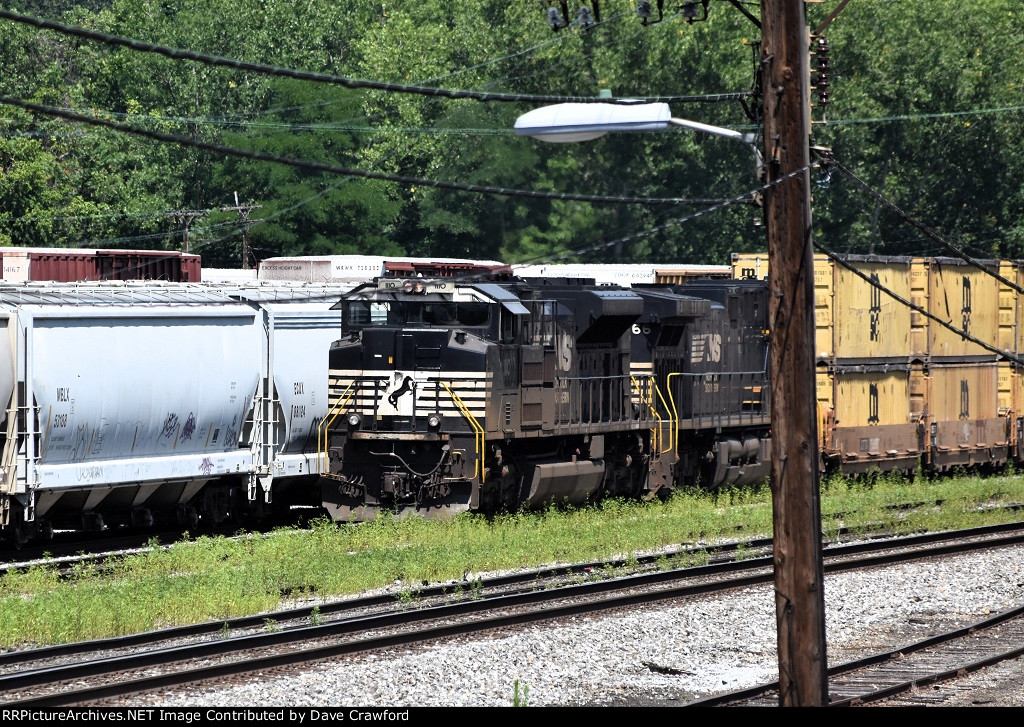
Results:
<point x="188" y="517"/>
<point x="18" y="535"/>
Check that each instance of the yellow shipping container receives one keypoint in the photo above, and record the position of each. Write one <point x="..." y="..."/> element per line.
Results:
<point x="1011" y="326"/>
<point x="960" y="294"/>
<point x="866" y="419"/>
<point x="853" y="319"/>
<point x="967" y="427"/>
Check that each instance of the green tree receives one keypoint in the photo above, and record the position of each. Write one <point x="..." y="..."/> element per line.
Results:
<point x="304" y="212"/>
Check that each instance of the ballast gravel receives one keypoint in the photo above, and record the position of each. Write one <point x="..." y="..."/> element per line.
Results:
<point x="656" y="655"/>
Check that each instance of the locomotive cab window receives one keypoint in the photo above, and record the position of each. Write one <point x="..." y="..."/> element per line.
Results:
<point x="456" y="314"/>
<point x="359" y="313"/>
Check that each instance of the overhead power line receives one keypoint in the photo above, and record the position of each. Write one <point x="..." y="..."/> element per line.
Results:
<point x="920" y="226"/>
<point x="922" y="117"/>
<point x="240" y="65"/>
<point x="675" y="222"/>
<point x="344" y="171"/>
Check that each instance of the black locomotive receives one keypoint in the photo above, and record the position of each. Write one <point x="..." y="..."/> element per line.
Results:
<point x="446" y="396"/>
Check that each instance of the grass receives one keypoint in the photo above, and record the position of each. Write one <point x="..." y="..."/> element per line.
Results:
<point x="216" y="579"/>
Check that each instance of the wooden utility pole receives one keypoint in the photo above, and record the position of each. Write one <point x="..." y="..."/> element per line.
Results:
<point x="186" y="217"/>
<point x="799" y="595"/>
<point x="243" y="211"/>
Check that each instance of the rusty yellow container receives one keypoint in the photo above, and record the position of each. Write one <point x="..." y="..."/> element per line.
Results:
<point x="964" y="391"/>
<point x="853" y="319"/>
<point x="1011" y="327"/>
<point x="865" y="418"/>
<point x="962" y="295"/>
<point x="967" y="426"/>
<point x="1008" y="388"/>
<point x="866" y="399"/>
<point x="868" y="323"/>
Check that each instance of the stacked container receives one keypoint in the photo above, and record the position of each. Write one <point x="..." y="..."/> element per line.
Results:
<point x="894" y="387"/>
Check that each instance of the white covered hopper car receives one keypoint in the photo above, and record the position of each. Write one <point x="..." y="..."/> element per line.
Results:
<point x="128" y="402"/>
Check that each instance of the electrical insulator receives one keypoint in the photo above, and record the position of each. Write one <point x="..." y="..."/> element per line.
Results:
<point x="823" y="68"/>
<point x="554" y="19"/>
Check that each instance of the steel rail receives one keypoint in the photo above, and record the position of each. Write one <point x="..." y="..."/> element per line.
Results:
<point x="763" y="692"/>
<point x="544" y="603"/>
<point x="526" y="578"/>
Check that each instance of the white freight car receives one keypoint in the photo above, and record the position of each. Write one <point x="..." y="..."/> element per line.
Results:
<point x="125" y="402"/>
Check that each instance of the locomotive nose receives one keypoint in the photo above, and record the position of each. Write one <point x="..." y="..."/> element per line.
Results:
<point x="406" y="350"/>
<point x="379" y="349"/>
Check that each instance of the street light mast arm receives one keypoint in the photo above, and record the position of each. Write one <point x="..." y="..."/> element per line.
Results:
<point x="750" y="139"/>
<point x="716" y="130"/>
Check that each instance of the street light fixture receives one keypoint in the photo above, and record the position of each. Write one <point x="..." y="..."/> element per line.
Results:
<point x="571" y="122"/>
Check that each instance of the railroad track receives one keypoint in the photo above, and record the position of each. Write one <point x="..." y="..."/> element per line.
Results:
<point x="162" y="663"/>
<point x="68" y="553"/>
<point x="903" y="671"/>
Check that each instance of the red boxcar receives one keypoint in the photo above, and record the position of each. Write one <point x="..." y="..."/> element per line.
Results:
<point x="23" y="264"/>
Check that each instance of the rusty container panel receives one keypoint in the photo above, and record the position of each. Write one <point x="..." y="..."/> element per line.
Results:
<point x="68" y="266"/>
<point x="872" y="399"/>
<point x="1007" y="389"/>
<point x="967" y="298"/>
<point x="165" y="265"/>
<point x="920" y="325"/>
<point x="1010" y="306"/>
<point x="966" y="426"/>
<point x="825" y="389"/>
<point x="824" y="347"/>
<point x="869" y="425"/>
<point x="192" y="269"/>
<point x="964" y="391"/>
<point x="870" y="324"/>
<point x="918" y="392"/>
<point x="825" y="396"/>
<point x="62" y="266"/>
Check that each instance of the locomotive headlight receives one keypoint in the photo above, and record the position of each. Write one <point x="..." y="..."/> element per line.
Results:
<point x="434" y="422"/>
<point x="354" y="420"/>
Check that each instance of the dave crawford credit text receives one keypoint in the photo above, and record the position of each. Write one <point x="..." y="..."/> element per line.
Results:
<point x="192" y="716"/>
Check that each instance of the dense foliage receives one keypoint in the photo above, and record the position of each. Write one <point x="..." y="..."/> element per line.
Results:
<point x="926" y="109"/>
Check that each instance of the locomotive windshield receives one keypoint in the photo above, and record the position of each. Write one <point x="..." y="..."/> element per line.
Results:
<point x="446" y="313"/>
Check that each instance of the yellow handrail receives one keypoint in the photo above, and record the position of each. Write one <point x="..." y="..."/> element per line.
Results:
<point x="657" y="432"/>
<point x="675" y="412"/>
<point x="478" y="430"/>
<point x="328" y="420"/>
<point x="673" y="432"/>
